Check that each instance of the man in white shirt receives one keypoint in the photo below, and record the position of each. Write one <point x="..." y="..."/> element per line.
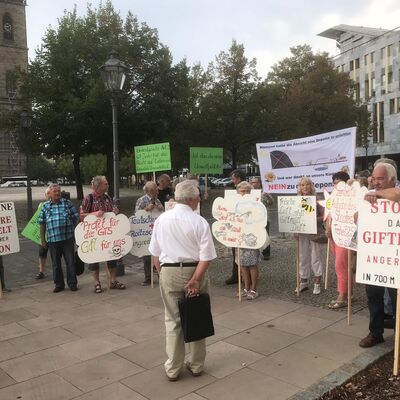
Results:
<point x="182" y="247"/>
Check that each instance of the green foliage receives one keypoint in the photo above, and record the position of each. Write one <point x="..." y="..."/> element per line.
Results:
<point x="92" y="165"/>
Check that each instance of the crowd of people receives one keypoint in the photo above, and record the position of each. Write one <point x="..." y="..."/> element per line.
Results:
<point x="182" y="248"/>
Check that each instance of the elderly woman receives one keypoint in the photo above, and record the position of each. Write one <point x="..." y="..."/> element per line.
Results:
<point x="310" y="253"/>
<point x="249" y="258"/>
<point x="97" y="203"/>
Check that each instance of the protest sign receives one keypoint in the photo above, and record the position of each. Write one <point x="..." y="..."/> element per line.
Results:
<point x="297" y="214"/>
<point x="344" y="201"/>
<point x="103" y="238"/>
<point x="152" y="157"/>
<point x="378" y="254"/>
<point x="141" y="229"/>
<point x="9" y="242"/>
<point x="317" y="157"/>
<point x="32" y="229"/>
<point x="206" y="160"/>
<point x="241" y="221"/>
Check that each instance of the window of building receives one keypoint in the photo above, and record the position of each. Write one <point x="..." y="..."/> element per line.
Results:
<point x="11" y="85"/>
<point x="373" y="86"/>
<point x="351" y="65"/>
<point x="381" y="137"/>
<point x="343" y="68"/>
<point x="398" y="105"/>
<point x="8" y="29"/>
<point x="366" y="89"/>
<point x="366" y="59"/>
<point x="382" y="53"/>
<point x="383" y="84"/>
<point x="372" y="57"/>
<point x="392" y="108"/>
<point x="357" y="63"/>
<point x="374" y="123"/>
<point x="356" y="93"/>
<point x="390" y="50"/>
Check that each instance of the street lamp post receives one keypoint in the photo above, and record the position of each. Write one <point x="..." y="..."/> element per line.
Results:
<point x="113" y="73"/>
<point x="26" y="122"/>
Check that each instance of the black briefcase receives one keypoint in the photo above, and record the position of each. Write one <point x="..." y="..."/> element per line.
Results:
<point x="79" y="265"/>
<point x="196" y="318"/>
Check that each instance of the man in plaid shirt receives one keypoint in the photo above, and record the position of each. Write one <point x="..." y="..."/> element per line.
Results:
<point x="57" y="220"/>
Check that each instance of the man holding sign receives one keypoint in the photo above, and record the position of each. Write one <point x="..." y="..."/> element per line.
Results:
<point x="383" y="177"/>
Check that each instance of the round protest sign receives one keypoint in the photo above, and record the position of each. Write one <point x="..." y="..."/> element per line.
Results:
<point x="103" y="239"/>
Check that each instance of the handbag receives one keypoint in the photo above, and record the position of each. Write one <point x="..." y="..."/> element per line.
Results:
<point x="196" y="319"/>
<point x="320" y="236"/>
<point x="79" y="264"/>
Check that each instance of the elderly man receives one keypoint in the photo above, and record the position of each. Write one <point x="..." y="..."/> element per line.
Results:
<point x="58" y="219"/>
<point x="97" y="203"/>
<point x="183" y="247"/>
<point x="237" y="176"/>
<point x="148" y="202"/>
<point x="165" y="192"/>
<point x="383" y="177"/>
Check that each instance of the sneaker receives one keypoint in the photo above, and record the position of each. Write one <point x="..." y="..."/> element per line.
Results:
<point x="40" y="275"/>
<point x="244" y="293"/>
<point x="146" y="282"/>
<point x="303" y="287"/>
<point x="317" y="288"/>
<point x="58" y="289"/>
<point x="252" y="295"/>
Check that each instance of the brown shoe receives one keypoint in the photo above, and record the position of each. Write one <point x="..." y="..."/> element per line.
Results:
<point x="195" y="374"/>
<point x="370" y="341"/>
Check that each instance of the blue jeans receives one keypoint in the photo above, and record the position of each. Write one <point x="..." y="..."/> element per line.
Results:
<point x="57" y="250"/>
<point x="375" y="296"/>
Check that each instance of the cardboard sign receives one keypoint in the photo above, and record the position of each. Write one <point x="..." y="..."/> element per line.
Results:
<point x="378" y="250"/>
<point x="152" y="158"/>
<point x="141" y="230"/>
<point x="241" y="221"/>
<point x="9" y="242"/>
<point x="32" y="229"/>
<point x="103" y="239"/>
<point x="206" y="160"/>
<point x="297" y="214"/>
<point x="345" y="200"/>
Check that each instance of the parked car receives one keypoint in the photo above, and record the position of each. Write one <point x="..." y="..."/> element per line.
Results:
<point x="210" y="184"/>
<point x="14" y="184"/>
<point x="224" y="182"/>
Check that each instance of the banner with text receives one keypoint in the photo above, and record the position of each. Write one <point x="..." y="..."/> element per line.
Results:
<point x="206" y="160"/>
<point x="378" y="250"/>
<point x="297" y="214"/>
<point x="282" y="164"/>
<point x="103" y="238"/>
<point x="9" y="242"/>
<point x="152" y="158"/>
<point x="32" y="228"/>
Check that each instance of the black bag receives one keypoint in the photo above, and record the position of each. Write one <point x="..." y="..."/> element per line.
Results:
<point x="196" y="318"/>
<point x="79" y="265"/>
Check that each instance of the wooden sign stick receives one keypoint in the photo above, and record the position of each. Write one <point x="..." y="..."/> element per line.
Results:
<point x="239" y="275"/>
<point x="298" y="266"/>
<point x="154" y="176"/>
<point x="349" y="285"/>
<point x="327" y="264"/>
<point x="397" y="336"/>
<point x="152" y="271"/>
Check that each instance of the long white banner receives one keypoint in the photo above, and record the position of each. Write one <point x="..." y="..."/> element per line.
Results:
<point x="282" y="164"/>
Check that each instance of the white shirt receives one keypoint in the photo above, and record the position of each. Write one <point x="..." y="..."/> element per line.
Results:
<point x="180" y="235"/>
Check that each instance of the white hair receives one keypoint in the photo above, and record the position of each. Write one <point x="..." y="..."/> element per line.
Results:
<point x="390" y="170"/>
<point x="186" y="190"/>
<point x="96" y="181"/>
<point x="147" y="185"/>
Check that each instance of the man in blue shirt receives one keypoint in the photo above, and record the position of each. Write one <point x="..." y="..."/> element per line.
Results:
<point x="57" y="220"/>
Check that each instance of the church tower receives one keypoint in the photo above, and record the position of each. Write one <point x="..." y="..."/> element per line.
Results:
<point x="13" y="53"/>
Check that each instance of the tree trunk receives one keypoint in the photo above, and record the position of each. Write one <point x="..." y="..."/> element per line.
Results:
<point x="78" y="177"/>
<point x="109" y="173"/>
<point x="234" y="157"/>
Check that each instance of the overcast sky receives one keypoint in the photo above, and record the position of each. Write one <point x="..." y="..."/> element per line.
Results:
<point x="200" y="29"/>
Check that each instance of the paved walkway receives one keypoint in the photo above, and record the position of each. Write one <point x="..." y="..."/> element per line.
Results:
<point x="81" y="345"/>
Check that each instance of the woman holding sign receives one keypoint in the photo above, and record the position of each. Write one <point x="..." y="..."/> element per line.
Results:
<point x="310" y="252"/>
<point x="249" y="258"/>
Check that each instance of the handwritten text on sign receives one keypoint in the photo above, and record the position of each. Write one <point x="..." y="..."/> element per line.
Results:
<point x="240" y="222"/>
<point x="206" y="160"/>
<point x="153" y="157"/>
<point x="345" y="200"/>
<point x="378" y="254"/>
<point x="103" y="239"/>
<point x="9" y="242"/>
<point x="297" y="214"/>
<point x="141" y="230"/>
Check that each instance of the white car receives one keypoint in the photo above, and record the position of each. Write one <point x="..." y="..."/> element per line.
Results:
<point x="13" y="184"/>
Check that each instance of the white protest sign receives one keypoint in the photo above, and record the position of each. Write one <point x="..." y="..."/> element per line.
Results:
<point x="9" y="242"/>
<point x="378" y="255"/>
<point x="317" y="157"/>
<point x="344" y="203"/>
<point x="297" y="214"/>
<point x="141" y="230"/>
<point x="241" y="221"/>
<point x="103" y="239"/>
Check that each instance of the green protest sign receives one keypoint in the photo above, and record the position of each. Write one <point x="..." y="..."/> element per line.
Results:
<point x="152" y="158"/>
<point x="206" y="160"/>
<point x="32" y="229"/>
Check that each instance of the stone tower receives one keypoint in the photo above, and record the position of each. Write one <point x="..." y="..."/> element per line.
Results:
<point x="13" y="53"/>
